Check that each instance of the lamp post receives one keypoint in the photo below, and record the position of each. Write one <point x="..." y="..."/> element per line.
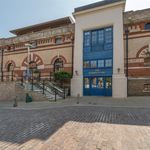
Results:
<point x="29" y="46"/>
<point x="127" y="49"/>
<point x="2" y="58"/>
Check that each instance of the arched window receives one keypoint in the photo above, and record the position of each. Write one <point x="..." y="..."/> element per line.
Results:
<point x="147" y="26"/>
<point x="10" y="67"/>
<point x="58" y="65"/>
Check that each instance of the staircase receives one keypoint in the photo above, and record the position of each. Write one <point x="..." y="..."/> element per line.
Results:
<point x="46" y="88"/>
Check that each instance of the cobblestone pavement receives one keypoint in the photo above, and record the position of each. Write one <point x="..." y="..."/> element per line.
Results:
<point x="75" y="128"/>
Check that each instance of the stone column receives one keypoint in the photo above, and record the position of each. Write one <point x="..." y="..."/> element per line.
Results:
<point x="119" y="88"/>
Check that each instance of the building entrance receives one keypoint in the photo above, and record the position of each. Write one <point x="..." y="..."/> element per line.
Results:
<point x="98" y="86"/>
<point x="98" y="62"/>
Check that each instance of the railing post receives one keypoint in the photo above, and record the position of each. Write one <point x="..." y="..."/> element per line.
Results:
<point x="50" y="76"/>
<point x="43" y="86"/>
<point x="22" y="81"/>
<point x="55" y="95"/>
<point x="32" y="80"/>
<point x="64" y="93"/>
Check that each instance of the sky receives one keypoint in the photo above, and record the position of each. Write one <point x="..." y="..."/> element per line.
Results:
<point x="20" y="13"/>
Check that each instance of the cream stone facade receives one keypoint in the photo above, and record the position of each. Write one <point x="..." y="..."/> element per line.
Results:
<point x="98" y="17"/>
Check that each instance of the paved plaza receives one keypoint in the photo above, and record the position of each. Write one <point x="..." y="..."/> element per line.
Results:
<point x="74" y="127"/>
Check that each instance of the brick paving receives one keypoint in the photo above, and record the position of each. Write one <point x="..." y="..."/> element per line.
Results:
<point x="75" y="128"/>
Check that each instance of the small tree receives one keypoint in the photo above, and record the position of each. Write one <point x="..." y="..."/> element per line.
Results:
<point x="62" y="76"/>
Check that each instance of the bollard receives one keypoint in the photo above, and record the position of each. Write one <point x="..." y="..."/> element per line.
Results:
<point x="15" y="103"/>
<point x="78" y="98"/>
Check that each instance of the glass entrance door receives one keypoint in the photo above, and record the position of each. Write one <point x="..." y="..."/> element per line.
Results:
<point x="98" y="86"/>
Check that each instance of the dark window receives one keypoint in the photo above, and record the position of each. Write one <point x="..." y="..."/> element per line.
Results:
<point x="58" y="40"/>
<point x="147" y="26"/>
<point x="58" y="65"/>
<point x="10" y="67"/>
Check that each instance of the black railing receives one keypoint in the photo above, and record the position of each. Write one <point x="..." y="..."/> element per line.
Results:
<point x="49" y="87"/>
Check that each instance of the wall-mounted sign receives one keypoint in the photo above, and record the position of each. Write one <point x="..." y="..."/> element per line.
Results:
<point x="97" y="72"/>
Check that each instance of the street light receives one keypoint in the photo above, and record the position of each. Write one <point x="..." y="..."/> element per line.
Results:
<point x="29" y="46"/>
<point x="2" y="58"/>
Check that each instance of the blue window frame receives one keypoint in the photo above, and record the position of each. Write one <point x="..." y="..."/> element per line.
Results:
<point x="94" y="37"/>
<point x="108" y="63"/>
<point x="86" y="83"/>
<point x="100" y="63"/>
<point x="147" y="26"/>
<point x="101" y="37"/>
<point x="87" y="39"/>
<point x="86" y="64"/>
<point x="93" y="64"/>
<point x="108" y="35"/>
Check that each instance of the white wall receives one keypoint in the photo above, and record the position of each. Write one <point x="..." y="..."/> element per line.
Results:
<point x="99" y="18"/>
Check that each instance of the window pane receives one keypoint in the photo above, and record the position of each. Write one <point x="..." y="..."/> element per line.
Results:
<point x="86" y="83"/>
<point x="93" y="64"/>
<point x="108" y="46"/>
<point x="94" y="38"/>
<point x="101" y="36"/>
<point x="108" y="83"/>
<point x="87" y="38"/>
<point x="86" y="64"/>
<point x="100" y="83"/>
<point x="58" y="40"/>
<point x="108" y="35"/>
<point x="147" y="26"/>
<point x="94" y="81"/>
<point x="108" y="63"/>
<point x="100" y="63"/>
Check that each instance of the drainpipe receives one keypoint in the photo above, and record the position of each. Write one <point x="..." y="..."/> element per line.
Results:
<point x="127" y="50"/>
<point x="72" y="41"/>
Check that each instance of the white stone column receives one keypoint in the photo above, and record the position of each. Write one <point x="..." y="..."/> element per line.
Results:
<point x="77" y="80"/>
<point x="119" y="89"/>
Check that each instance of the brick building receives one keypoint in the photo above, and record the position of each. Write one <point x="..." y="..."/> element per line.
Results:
<point x="54" y="50"/>
<point x="138" y="24"/>
<point x="53" y="42"/>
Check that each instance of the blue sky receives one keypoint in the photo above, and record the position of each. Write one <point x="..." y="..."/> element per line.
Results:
<point x="19" y="13"/>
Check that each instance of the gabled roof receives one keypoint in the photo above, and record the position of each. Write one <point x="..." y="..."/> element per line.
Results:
<point x="38" y="27"/>
<point x="137" y="16"/>
<point x="97" y="4"/>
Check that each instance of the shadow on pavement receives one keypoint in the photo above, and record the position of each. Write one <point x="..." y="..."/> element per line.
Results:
<point x="20" y="126"/>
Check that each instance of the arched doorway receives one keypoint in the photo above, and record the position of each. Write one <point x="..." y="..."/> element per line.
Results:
<point x="58" y="65"/>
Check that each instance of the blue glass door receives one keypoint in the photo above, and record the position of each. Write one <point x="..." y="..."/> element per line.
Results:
<point x="108" y="86"/>
<point x="98" y="86"/>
